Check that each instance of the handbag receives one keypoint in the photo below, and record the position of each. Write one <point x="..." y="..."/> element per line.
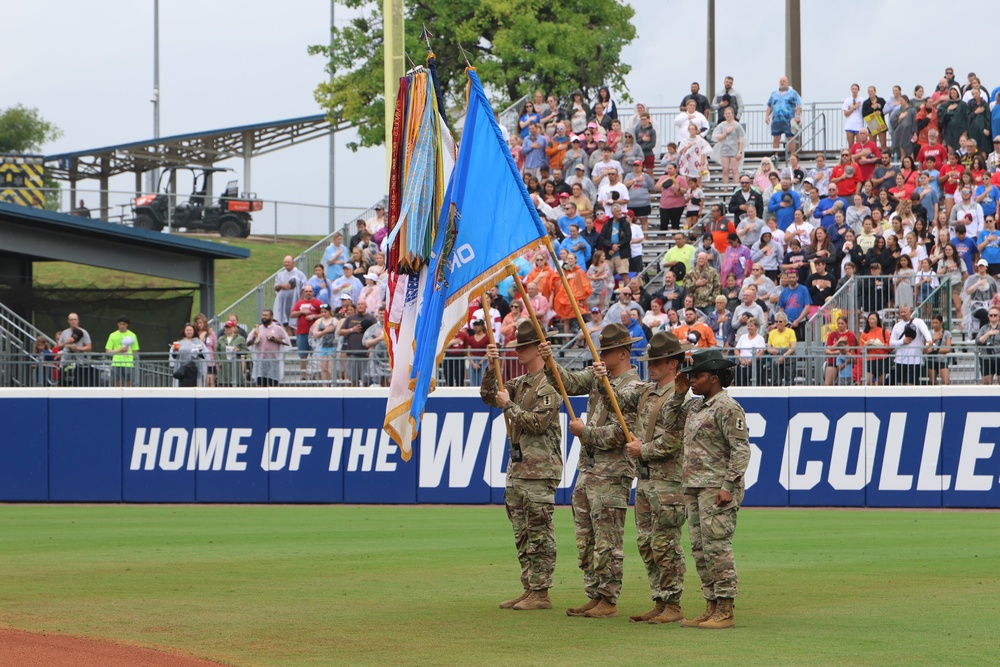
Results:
<point x="184" y="370"/>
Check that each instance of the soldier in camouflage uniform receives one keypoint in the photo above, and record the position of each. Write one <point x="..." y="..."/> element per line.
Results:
<point x="600" y="498"/>
<point x="716" y="455"/>
<point x="702" y="282"/>
<point x="531" y="406"/>
<point x="658" y="445"/>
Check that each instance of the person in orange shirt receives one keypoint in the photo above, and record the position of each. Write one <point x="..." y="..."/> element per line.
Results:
<point x="556" y="150"/>
<point x="579" y="283"/>
<point x="720" y="227"/>
<point x="695" y="332"/>
<point x="540" y="274"/>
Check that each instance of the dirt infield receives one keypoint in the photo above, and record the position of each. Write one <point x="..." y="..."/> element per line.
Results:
<point x="32" y="649"/>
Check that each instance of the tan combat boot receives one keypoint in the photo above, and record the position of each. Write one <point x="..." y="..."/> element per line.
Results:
<point x="535" y="600"/>
<point x="710" y="606"/>
<point x="580" y="611"/>
<point x="722" y="618"/>
<point x="655" y="611"/>
<point x="604" y="609"/>
<point x="670" y="614"/>
<point x="509" y="604"/>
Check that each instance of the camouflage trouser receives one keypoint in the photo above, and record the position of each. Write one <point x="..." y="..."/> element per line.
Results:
<point x="659" y="517"/>
<point x="712" y="530"/>
<point x="529" y="507"/>
<point x="599" y="506"/>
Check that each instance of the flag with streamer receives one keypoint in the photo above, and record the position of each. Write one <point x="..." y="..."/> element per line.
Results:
<point x="423" y="156"/>
<point x="487" y="220"/>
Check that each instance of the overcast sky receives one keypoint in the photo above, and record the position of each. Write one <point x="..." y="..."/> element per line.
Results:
<point x="87" y="66"/>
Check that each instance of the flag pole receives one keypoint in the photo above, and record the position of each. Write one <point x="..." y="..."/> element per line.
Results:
<point x="487" y="303"/>
<point x="590" y="343"/>
<point x="541" y="336"/>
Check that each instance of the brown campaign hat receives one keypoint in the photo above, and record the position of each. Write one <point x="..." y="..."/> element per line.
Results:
<point x="526" y="334"/>
<point x="664" y="344"/>
<point x="615" y="335"/>
<point x="711" y="359"/>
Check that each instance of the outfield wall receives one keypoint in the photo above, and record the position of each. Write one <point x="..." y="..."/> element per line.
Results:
<point x="851" y="447"/>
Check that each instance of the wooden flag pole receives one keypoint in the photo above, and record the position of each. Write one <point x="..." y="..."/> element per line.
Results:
<point x="541" y="336"/>
<point x="487" y="304"/>
<point x="586" y="337"/>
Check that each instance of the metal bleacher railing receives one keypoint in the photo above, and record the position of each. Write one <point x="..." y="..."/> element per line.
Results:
<point x="247" y="308"/>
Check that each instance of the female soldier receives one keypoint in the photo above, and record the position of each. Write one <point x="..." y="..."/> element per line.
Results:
<point x="716" y="455"/>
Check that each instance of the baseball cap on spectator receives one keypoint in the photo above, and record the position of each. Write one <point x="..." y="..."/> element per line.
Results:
<point x="637" y="162"/>
<point x="563" y="196"/>
<point x="579" y="167"/>
<point x="996" y="139"/>
<point x="982" y="262"/>
<point x="346" y="297"/>
<point x="595" y="309"/>
<point x="379" y="207"/>
<point x="592" y="125"/>
<point x="601" y="138"/>
<point x="809" y="181"/>
<point x="371" y="276"/>
<point x="322" y="306"/>
<point x="348" y="265"/>
<point x="231" y="322"/>
<point x="574" y="138"/>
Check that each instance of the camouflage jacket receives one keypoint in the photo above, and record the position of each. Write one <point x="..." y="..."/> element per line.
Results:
<point x="603" y="453"/>
<point x="534" y="424"/>
<point x="716" y="443"/>
<point x="664" y="452"/>
<point x="704" y="295"/>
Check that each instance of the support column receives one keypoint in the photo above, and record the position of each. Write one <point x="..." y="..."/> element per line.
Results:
<point x="73" y="176"/>
<point x="392" y="12"/>
<point x="793" y="44"/>
<point x="248" y="144"/>
<point x="206" y="290"/>
<point x="105" y="173"/>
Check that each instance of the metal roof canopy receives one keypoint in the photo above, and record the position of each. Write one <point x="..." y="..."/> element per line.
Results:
<point x="197" y="148"/>
<point x="29" y="235"/>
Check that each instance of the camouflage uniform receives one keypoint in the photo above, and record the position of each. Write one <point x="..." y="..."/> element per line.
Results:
<point x="534" y="469"/>
<point x="716" y="455"/>
<point x="600" y="498"/>
<point x="704" y="296"/>
<point x="659" y="495"/>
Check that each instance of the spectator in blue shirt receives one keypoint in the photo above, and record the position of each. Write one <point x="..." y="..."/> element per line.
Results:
<point x="989" y="245"/>
<point x="577" y="245"/>
<point x="986" y="195"/>
<point x="571" y="217"/>
<point x="967" y="248"/>
<point x="783" y="204"/>
<point x="533" y="151"/>
<point x="827" y="207"/>
<point x="794" y="302"/>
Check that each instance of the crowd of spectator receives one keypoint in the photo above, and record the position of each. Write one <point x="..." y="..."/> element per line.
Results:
<point x="910" y="201"/>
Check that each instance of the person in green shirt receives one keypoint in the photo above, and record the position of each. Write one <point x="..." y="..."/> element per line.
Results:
<point x="122" y="345"/>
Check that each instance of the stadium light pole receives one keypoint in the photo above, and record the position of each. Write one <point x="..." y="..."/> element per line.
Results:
<point x="332" y="222"/>
<point x="710" y="60"/>
<point x="153" y="174"/>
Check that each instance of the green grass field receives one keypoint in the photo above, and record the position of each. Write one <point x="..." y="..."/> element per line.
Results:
<point x="342" y="585"/>
<point x="234" y="277"/>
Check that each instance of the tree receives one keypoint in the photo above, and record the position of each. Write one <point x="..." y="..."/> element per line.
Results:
<point x="23" y="130"/>
<point x="516" y="46"/>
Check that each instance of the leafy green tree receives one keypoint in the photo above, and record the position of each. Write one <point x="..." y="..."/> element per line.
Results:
<point x="516" y="46"/>
<point x="23" y="130"/>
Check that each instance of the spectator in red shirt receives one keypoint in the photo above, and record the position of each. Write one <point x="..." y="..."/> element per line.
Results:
<point x="845" y="176"/>
<point x="841" y="333"/>
<point x="720" y="227"/>
<point x="307" y="310"/>
<point x="949" y="177"/>
<point x="865" y="154"/>
<point x="932" y="147"/>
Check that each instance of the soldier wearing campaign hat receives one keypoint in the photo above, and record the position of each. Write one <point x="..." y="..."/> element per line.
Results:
<point x="531" y="406"/>
<point x="716" y="455"/>
<point x="658" y="446"/>
<point x="600" y="498"/>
